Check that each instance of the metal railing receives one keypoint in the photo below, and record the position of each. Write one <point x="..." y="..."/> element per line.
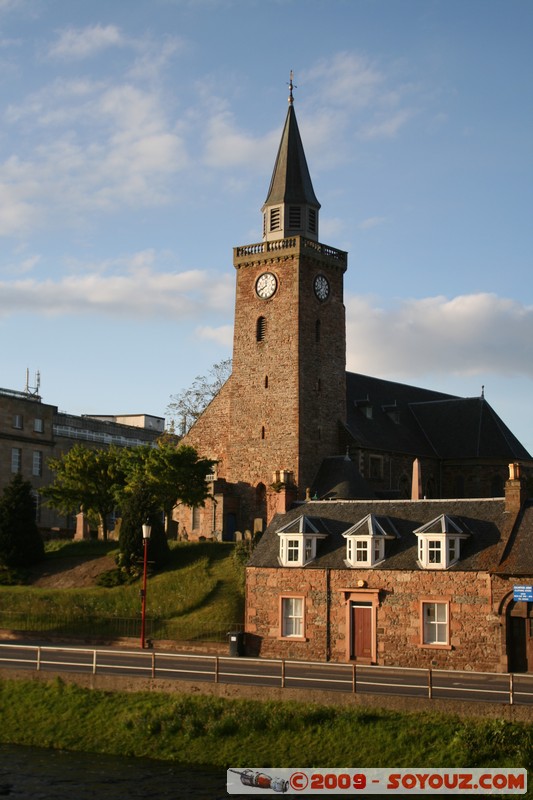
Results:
<point x="503" y="688"/>
<point x="111" y="627"/>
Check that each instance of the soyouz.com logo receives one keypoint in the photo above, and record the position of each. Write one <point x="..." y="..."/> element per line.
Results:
<point x="377" y="781"/>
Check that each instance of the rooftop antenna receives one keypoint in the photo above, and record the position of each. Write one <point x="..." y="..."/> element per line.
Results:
<point x="33" y="390"/>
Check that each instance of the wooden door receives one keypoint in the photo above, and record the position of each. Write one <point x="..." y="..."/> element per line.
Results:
<point x="361" y="644"/>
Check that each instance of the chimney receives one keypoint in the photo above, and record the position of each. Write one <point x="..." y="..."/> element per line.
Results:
<point x="515" y="490"/>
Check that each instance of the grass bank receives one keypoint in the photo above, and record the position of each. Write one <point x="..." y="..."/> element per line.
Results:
<point x="200" y="590"/>
<point x="220" y="732"/>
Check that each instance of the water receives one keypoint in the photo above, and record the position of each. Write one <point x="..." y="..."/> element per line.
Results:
<point x="28" y="773"/>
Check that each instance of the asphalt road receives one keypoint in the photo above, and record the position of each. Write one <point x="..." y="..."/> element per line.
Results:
<point x="441" y="684"/>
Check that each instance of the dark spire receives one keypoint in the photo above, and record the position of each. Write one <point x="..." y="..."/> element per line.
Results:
<point x="291" y="207"/>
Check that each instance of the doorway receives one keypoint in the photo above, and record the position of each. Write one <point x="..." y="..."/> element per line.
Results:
<point x="520" y="636"/>
<point x="361" y="631"/>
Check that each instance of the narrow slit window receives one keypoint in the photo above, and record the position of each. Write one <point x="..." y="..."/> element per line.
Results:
<point x="260" y="329"/>
<point x="317" y="331"/>
<point x="312" y="220"/>
<point x="266" y="381"/>
<point x="263" y="432"/>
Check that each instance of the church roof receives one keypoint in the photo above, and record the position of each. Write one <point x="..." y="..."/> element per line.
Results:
<point x="339" y="479"/>
<point x="385" y="415"/>
<point x="291" y="181"/>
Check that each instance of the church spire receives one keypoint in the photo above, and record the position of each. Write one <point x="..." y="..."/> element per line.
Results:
<point x="291" y="207"/>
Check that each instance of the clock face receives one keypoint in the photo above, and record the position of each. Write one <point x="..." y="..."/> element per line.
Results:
<point x="321" y="287"/>
<point x="266" y="285"/>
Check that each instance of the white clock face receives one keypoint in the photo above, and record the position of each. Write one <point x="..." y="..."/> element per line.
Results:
<point x="266" y="285"/>
<point x="321" y="287"/>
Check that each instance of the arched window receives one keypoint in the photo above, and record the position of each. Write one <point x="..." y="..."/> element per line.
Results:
<point x="260" y="329"/>
<point x="260" y="494"/>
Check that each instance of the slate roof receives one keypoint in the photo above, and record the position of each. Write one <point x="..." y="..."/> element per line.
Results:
<point x="339" y="479"/>
<point x="482" y="519"/>
<point x="421" y="422"/>
<point x="518" y="556"/>
<point x="291" y="181"/>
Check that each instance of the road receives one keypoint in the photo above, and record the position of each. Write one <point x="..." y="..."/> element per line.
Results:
<point x="438" y="684"/>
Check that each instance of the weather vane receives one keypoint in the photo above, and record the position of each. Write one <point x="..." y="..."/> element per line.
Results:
<point x="291" y="87"/>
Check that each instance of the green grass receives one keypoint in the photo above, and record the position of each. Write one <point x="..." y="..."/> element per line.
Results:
<point x="220" y="732"/>
<point x="199" y="590"/>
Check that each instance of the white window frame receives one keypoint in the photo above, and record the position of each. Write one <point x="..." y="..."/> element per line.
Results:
<point x="37" y="463"/>
<point x="293" y="551"/>
<point x="292" y="617"/>
<point x="16" y="460"/>
<point x="373" y="548"/>
<point x="38" y="425"/>
<point x="435" y="623"/>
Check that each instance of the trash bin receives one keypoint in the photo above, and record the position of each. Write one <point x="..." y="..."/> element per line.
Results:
<point x="236" y="643"/>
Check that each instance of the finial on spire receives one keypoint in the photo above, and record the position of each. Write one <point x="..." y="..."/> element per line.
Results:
<point x="291" y="87"/>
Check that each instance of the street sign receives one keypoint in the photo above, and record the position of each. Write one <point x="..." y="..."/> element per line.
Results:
<point x="524" y="593"/>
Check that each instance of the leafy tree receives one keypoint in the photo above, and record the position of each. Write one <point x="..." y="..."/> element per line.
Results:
<point x="20" y="541"/>
<point x="167" y="475"/>
<point x="138" y="508"/>
<point x="186" y="406"/>
<point x="88" y="478"/>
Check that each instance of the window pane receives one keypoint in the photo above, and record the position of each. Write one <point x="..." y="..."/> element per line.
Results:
<point x="435" y="623"/>
<point x="293" y="550"/>
<point x="292" y="610"/>
<point x="361" y="551"/>
<point x="16" y="459"/>
<point x="434" y="552"/>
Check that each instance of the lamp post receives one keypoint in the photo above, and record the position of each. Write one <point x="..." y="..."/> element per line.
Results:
<point x="147" y="530"/>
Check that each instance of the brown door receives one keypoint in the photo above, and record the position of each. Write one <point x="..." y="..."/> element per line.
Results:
<point x="361" y="647"/>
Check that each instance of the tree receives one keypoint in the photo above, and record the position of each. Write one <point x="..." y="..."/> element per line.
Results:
<point x="91" y="479"/>
<point x="139" y="508"/>
<point x="166" y="475"/>
<point x="20" y="541"/>
<point x="186" y="406"/>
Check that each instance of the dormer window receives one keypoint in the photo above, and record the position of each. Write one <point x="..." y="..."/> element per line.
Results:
<point x="365" y="541"/>
<point x="439" y="542"/>
<point x="298" y="541"/>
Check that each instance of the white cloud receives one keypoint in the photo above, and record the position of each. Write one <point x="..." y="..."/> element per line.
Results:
<point x="134" y="289"/>
<point x="222" y="335"/>
<point x="227" y="147"/>
<point x="78" y="43"/>
<point x="122" y="152"/>
<point x="466" y="335"/>
<point x="371" y="222"/>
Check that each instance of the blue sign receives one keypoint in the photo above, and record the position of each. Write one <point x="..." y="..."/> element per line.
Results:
<point x="524" y="593"/>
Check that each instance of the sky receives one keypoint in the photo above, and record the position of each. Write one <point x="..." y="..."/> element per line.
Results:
<point x="137" y="142"/>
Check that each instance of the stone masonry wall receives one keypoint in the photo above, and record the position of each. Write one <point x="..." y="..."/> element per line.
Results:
<point x="475" y="638"/>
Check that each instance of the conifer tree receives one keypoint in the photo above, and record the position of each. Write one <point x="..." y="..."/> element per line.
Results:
<point x="20" y="541"/>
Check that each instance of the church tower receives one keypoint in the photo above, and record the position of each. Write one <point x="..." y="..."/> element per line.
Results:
<point x="289" y="349"/>
<point x="280" y="412"/>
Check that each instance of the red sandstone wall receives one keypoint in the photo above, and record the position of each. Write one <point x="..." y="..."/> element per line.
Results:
<point x="475" y="631"/>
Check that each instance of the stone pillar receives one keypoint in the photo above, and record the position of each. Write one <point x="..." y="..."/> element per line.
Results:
<point x="83" y="530"/>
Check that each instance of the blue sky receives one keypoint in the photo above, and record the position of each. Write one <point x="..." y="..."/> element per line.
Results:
<point x="137" y="141"/>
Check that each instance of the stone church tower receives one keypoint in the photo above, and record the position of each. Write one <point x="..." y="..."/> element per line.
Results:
<point x="278" y="415"/>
